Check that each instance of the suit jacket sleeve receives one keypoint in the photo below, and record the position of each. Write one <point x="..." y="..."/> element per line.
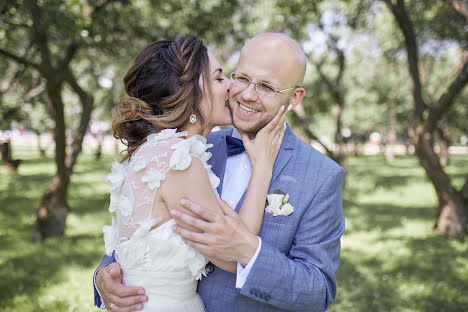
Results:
<point x="106" y="260"/>
<point x="304" y="280"/>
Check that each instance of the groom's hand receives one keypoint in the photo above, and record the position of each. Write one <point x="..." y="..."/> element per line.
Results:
<point x="116" y="296"/>
<point x="223" y="236"/>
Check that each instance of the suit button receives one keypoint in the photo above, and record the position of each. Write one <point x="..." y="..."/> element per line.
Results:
<point x="267" y="297"/>
<point x="209" y="268"/>
<point x="252" y="291"/>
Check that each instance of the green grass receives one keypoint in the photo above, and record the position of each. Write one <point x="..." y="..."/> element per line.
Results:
<point x="390" y="261"/>
<point x="55" y="275"/>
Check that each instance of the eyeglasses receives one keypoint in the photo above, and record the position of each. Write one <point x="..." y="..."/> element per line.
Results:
<point x="263" y="88"/>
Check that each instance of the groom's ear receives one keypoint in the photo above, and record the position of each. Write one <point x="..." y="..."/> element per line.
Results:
<point x="297" y="97"/>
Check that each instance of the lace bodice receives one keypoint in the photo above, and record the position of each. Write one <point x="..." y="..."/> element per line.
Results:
<point x="132" y="197"/>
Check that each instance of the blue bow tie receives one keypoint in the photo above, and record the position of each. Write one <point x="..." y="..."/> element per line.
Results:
<point x="234" y="146"/>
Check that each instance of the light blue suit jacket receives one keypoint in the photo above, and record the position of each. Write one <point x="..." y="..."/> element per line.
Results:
<point x="300" y="253"/>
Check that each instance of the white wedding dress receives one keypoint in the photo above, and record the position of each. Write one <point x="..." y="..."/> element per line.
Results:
<point x="156" y="259"/>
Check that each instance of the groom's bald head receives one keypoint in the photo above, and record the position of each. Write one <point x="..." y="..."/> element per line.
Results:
<point x="270" y="59"/>
<point x="284" y="53"/>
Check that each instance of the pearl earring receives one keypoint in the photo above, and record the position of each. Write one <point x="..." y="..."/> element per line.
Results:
<point x="193" y="119"/>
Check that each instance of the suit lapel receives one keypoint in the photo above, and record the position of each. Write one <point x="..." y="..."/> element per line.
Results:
<point x="284" y="155"/>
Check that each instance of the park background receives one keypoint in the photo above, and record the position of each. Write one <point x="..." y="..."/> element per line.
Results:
<point x="386" y="98"/>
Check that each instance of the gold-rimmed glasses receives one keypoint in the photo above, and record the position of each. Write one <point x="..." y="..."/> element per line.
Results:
<point x="262" y="87"/>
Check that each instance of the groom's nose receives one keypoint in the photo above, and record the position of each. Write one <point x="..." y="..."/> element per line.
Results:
<point x="250" y="94"/>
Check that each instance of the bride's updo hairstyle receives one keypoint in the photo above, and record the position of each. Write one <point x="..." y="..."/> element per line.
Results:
<point x="164" y="86"/>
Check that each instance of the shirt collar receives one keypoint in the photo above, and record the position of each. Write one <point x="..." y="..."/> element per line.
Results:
<point x="236" y="134"/>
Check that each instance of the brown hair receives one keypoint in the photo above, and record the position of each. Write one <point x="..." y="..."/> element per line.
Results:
<point x="163" y="85"/>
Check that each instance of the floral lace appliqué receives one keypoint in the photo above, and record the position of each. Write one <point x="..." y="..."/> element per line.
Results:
<point x="116" y="177"/>
<point x="153" y="178"/>
<point x="110" y="237"/>
<point x="133" y="191"/>
<point x="140" y="164"/>
<point x="125" y="206"/>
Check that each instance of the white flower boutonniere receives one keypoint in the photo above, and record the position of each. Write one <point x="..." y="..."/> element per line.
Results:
<point x="278" y="204"/>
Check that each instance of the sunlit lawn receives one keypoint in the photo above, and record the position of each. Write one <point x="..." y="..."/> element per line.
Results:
<point x="55" y="275"/>
<point x="391" y="260"/>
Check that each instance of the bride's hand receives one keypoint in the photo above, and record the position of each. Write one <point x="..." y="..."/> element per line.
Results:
<point x="263" y="149"/>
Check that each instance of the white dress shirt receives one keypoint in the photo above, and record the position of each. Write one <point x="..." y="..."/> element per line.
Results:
<point x="235" y="182"/>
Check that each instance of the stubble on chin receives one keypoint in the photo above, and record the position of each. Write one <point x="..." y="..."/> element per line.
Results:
<point x="251" y="130"/>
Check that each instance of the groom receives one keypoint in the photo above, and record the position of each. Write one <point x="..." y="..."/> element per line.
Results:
<point x="291" y="265"/>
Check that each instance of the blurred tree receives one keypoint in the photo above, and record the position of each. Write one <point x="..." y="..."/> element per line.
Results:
<point x="338" y="25"/>
<point x="326" y="30"/>
<point x="38" y="119"/>
<point x="10" y="163"/>
<point x="55" y="32"/>
<point x="64" y="58"/>
<point x="391" y="96"/>
<point x="435" y="21"/>
<point x="67" y="45"/>
<point x="10" y="112"/>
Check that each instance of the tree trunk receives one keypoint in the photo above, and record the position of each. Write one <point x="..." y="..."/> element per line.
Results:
<point x="98" y="153"/>
<point x="339" y="156"/>
<point x="442" y="142"/>
<point x="40" y="149"/>
<point x="11" y="164"/>
<point x="391" y="136"/>
<point x="87" y="105"/>
<point x="451" y="210"/>
<point x="464" y="194"/>
<point x="53" y="208"/>
<point x="52" y="211"/>
<point x="336" y="88"/>
<point x="305" y="121"/>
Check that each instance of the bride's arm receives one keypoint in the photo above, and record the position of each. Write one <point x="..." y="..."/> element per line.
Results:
<point x="192" y="183"/>
<point x="262" y="151"/>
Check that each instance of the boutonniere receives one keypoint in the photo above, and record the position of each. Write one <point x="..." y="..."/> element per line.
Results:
<point x="277" y="203"/>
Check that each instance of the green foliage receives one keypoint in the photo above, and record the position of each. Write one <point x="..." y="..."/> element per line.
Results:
<point x="457" y="118"/>
<point x="390" y="259"/>
<point x="375" y="58"/>
<point x="436" y="19"/>
<point x="108" y="39"/>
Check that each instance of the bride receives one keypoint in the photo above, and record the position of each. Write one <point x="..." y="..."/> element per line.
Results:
<point x="177" y="94"/>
